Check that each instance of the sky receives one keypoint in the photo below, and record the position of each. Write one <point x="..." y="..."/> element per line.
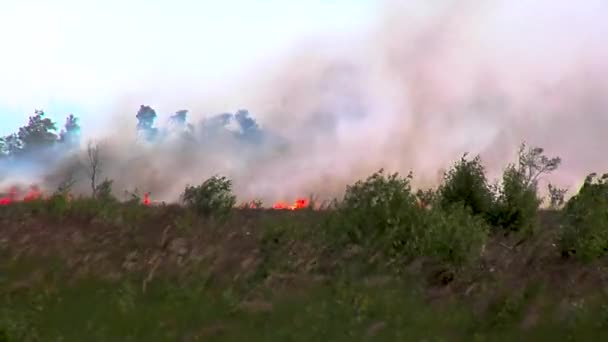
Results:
<point x="75" y="56"/>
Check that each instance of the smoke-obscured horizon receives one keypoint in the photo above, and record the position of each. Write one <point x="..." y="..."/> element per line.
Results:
<point x="426" y="84"/>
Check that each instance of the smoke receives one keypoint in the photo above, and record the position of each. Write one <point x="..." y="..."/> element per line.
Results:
<point x="427" y="83"/>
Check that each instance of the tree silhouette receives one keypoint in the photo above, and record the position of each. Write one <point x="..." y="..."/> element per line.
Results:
<point x="38" y="133"/>
<point x="71" y="132"/>
<point x="145" y="125"/>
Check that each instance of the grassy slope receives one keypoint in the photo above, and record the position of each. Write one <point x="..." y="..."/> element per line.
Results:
<point x="160" y="274"/>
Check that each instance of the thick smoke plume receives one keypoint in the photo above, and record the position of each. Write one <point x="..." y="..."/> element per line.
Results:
<point x="428" y="82"/>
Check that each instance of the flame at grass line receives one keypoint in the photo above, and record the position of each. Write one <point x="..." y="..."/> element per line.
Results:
<point x="34" y="193"/>
<point x="12" y="196"/>
<point x="300" y="203"/>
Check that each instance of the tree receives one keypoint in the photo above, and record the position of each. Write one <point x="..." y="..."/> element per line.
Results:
<point x="145" y="125"/>
<point x="38" y="133"/>
<point x="533" y="163"/>
<point x="517" y="201"/>
<point x="212" y="198"/>
<point x="249" y="127"/>
<point x="71" y="132"/>
<point x="94" y="166"/>
<point x="466" y="183"/>
<point x="179" y="118"/>
<point x="556" y="196"/>
<point x="10" y="145"/>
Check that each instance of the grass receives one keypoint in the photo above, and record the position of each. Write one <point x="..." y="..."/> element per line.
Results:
<point x="52" y="309"/>
<point x="324" y="295"/>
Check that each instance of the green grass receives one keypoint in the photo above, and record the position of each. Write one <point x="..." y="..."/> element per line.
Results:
<point x="52" y="308"/>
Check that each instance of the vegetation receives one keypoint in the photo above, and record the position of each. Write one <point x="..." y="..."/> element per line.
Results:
<point x="469" y="260"/>
<point x="585" y="230"/>
<point x="38" y="136"/>
<point x="212" y="198"/>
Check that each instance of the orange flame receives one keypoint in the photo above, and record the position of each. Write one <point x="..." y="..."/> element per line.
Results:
<point x="300" y="203"/>
<point x="32" y="194"/>
<point x="146" y="200"/>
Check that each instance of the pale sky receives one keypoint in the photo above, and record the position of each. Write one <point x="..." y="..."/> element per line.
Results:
<point x="67" y="56"/>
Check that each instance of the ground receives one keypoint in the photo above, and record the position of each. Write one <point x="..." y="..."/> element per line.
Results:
<point x="164" y="274"/>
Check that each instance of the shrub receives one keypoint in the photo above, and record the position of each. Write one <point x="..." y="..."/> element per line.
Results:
<point x="556" y="196"/>
<point x="585" y="229"/>
<point x="517" y="202"/>
<point x="382" y="214"/>
<point x="452" y="235"/>
<point x="466" y="183"/>
<point x="426" y="198"/>
<point x="57" y="205"/>
<point x="103" y="191"/>
<point x="375" y="206"/>
<point x="212" y="198"/>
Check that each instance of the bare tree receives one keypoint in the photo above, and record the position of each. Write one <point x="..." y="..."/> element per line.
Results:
<point x="94" y="165"/>
<point x="533" y="164"/>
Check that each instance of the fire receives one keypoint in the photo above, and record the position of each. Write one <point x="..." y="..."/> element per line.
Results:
<point x="146" y="200"/>
<point x="300" y="203"/>
<point x="32" y="194"/>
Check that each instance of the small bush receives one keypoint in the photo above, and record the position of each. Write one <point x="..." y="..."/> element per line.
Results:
<point x="517" y="203"/>
<point x="57" y="205"/>
<point x="453" y="235"/>
<point x="382" y="214"/>
<point x="103" y="191"/>
<point x="427" y="198"/>
<point x="371" y="208"/>
<point x="585" y="231"/>
<point x="466" y="183"/>
<point x="212" y="198"/>
<point x="556" y="196"/>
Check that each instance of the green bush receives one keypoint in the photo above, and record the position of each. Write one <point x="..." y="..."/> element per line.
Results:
<point x="212" y="198"/>
<point x="517" y="203"/>
<point x="452" y="235"/>
<point x="382" y="214"/>
<point x="556" y="196"/>
<point x="372" y="208"/>
<point x="585" y="229"/>
<point x="103" y="191"/>
<point x="57" y="205"/>
<point x="466" y="183"/>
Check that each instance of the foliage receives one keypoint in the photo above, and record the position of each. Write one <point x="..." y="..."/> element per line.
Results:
<point x="517" y="201"/>
<point x="453" y="235"/>
<point x="10" y="145"/>
<point x="532" y="164"/>
<point x="585" y="231"/>
<point x="212" y="198"/>
<point x="374" y="207"/>
<point x="71" y="132"/>
<point x="466" y="183"/>
<point x="38" y="132"/>
<point x="516" y="204"/>
<point x="511" y="204"/>
<point x="145" y="122"/>
<point x="427" y="198"/>
<point x="381" y="213"/>
<point x="556" y="196"/>
<point x="103" y="191"/>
